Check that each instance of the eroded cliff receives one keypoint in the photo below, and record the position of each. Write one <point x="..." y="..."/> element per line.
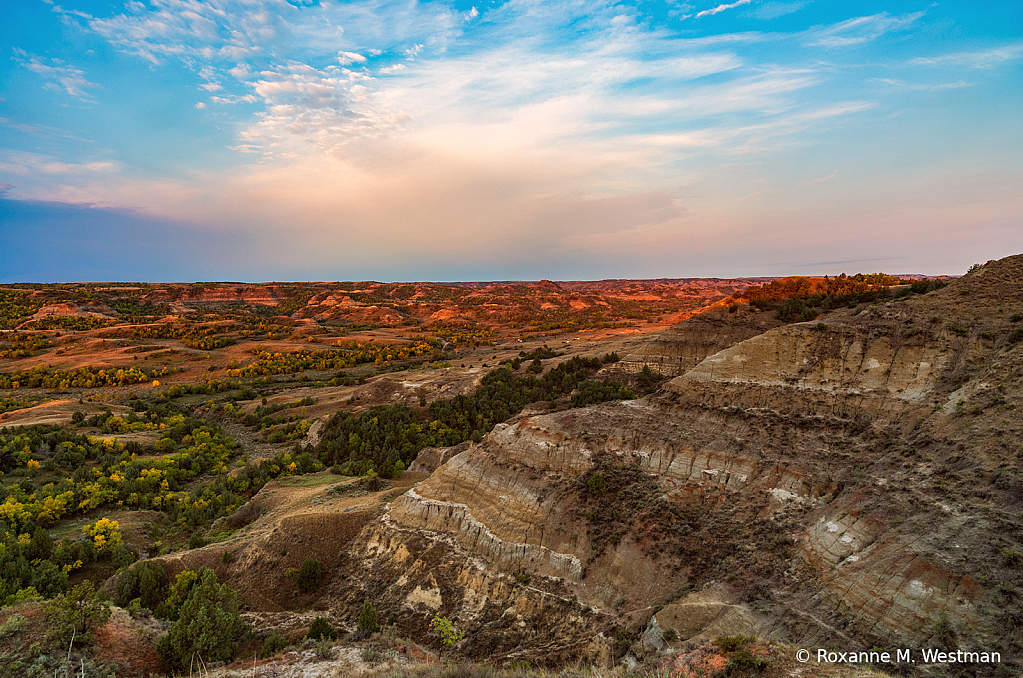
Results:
<point x="817" y="472"/>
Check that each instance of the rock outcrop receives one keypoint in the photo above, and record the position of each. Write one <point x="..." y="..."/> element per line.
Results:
<point x="683" y="346"/>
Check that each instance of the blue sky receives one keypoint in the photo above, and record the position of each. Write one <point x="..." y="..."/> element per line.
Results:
<point x="399" y="140"/>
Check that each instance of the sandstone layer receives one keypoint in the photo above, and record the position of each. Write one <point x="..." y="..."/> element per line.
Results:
<point x="683" y="346"/>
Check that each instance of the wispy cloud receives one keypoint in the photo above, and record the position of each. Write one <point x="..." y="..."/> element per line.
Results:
<point x="59" y="76"/>
<point x="843" y="108"/>
<point x="923" y="87"/>
<point x="722" y="8"/>
<point x="821" y="180"/>
<point x="985" y="59"/>
<point x="773" y="10"/>
<point x="23" y="163"/>
<point x="861" y="29"/>
<point x="41" y="131"/>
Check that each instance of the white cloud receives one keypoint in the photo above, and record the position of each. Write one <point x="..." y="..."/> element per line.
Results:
<point x="23" y="163"/>
<point x="209" y="74"/>
<point x="722" y="8"/>
<point x="843" y="108"/>
<point x="233" y="99"/>
<point x="861" y="29"/>
<point x="323" y="108"/>
<point x="59" y="76"/>
<point x="472" y="14"/>
<point x="347" y="58"/>
<point x="986" y="59"/>
<point x="41" y="131"/>
<point x="773" y="10"/>
<point x="412" y="52"/>
<point x="200" y="105"/>
<point x="937" y="87"/>
<point x="821" y="180"/>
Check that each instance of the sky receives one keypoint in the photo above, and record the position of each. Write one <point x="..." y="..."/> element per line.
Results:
<point x="257" y="140"/>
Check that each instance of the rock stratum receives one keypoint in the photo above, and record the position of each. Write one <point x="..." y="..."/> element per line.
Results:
<point x="848" y="482"/>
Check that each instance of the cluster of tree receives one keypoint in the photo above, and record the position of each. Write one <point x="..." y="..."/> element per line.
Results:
<point x="75" y="323"/>
<point x="16" y="306"/>
<point x="295" y="430"/>
<point x="118" y="476"/>
<point x="159" y="331"/>
<point x="23" y="344"/>
<point x="463" y="334"/>
<point x="387" y="437"/>
<point x="209" y="388"/>
<point x="31" y="563"/>
<point x="134" y="311"/>
<point x="927" y="285"/>
<point x="207" y="339"/>
<point x="83" y="377"/>
<point x="594" y="392"/>
<point x="260" y="329"/>
<point x="9" y="403"/>
<point x="801" y="299"/>
<point x="264" y="410"/>
<point x="348" y="355"/>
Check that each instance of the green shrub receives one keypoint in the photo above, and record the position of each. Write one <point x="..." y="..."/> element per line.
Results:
<point x="227" y="558"/>
<point x="447" y="630"/>
<point x="728" y="644"/>
<point x="208" y="624"/>
<point x="13" y="626"/>
<point x="196" y="541"/>
<point x="669" y="635"/>
<point x="744" y="660"/>
<point x="597" y="484"/>
<point x="371" y="481"/>
<point x="321" y="628"/>
<point x="324" y="648"/>
<point x="273" y="644"/>
<point x="309" y="576"/>
<point x="741" y="655"/>
<point x="122" y="556"/>
<point x="74" y="615"/>
<point x="1016" y="335"/>
<point x="647" y="378"/>
<point x="147" y="581"/>
<point x="368" y="620"/>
